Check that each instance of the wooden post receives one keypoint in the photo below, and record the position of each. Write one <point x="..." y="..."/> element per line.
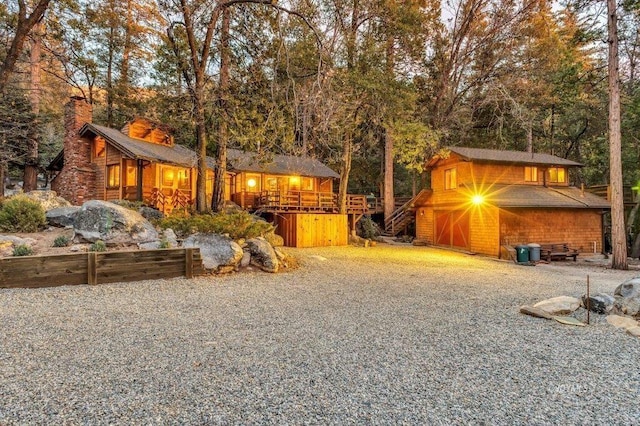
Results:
<point x="139" y="181"/>
<point x="92" y="268"/>
<point x="188" y="262"/>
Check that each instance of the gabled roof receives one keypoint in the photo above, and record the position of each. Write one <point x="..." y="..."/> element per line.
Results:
<point x="142" y="150"/>
<point x="508" y="157"/>
<point x="540" y="196"/>
<point x="281" y="165"/>
<point x="179" y="155"/>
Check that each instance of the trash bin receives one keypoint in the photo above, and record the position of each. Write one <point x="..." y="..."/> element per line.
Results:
<point x="522" y="253"/>
<point x="534" y="252"/>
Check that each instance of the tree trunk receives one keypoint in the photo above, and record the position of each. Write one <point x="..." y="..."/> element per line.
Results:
<point x="388" y="197"/>
<point x="3" y="167"/>
<point x="530" y="136"/>
<point x="201" y="149"/>
<point x="30" y="176"/>
<point x="217" y="202"/>
<point x="23" y="28"/>
<point x="344" y="174"/>
<point x="618" y="234"/>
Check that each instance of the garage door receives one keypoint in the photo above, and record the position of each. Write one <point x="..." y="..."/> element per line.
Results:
<point x="452" y="229"/>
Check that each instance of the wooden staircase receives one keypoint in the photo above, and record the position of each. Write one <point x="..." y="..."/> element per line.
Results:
<point x="401" y="218"/>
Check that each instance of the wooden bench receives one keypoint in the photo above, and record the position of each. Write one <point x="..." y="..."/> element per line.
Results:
<point x="557" y="251"/>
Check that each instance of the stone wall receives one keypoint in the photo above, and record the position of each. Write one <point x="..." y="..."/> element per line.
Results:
<point x="76" y="181"/>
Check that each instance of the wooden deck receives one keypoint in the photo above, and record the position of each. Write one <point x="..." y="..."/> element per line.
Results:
<point x="306" y="202"/>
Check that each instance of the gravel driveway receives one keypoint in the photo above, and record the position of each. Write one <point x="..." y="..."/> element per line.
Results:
<point x="390" y="334"/>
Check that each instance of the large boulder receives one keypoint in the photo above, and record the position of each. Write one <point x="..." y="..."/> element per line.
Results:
<point x="62" y="216"/>
<point x="629" y="288"/>
<point x="47" y="199"/>
<point x="218" y="252"/>
<point x="263" y="255"/>
<point x="600" y="303"/>
<point x="113" y="224"/>
<point x="561" y="305"/>
<point x="628" y="305"/>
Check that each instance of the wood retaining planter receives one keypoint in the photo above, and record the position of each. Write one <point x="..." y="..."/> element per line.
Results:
<point x="99" y="267"/>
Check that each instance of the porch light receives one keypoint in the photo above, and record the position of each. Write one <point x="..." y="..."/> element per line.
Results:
<point x="294" y="180"/>
<point x="477" y="199"/>
<point x="251" y="183"/>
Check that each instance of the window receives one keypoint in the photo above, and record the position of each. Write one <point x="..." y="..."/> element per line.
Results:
<point x="272" y="184"/>
<point x="113" y="176"/>
<point x="557" y="175"/>
<point x="307" y="184"/>
<point x="253" y="183"/>
<point x="183" y="179"/>
<point x="450" y="179"/>
<point x="168" y="175"/>
<point x="131" y="179"/>
<point x="294" y="183"/>
<point x="530" y="174"/>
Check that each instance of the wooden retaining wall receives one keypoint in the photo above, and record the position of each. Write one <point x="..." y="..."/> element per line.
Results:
<point x="99" y="267"/>
<point x="313" y="230"/>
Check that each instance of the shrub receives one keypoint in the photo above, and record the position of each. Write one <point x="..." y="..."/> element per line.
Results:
<point x="98" y="246"/>
<point x="237" y="224"/>
<point x="164" y="244"/>
<point x="21" y="214"/>
<point x="127" y="204"/>
<point x="61" y="241"/>
<point x="369" y="229"/>
<point x="22" y="250"/>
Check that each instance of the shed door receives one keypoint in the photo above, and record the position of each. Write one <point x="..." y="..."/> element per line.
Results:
<point x="452" y="229"/>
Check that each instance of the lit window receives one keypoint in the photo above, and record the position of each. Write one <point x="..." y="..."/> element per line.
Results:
<point x="253" y="183"/>
<point x="294" y="183"/>
<point x="530" y="174"/>
<point x="272" y="184"/>
<point x="183" y="179"/>
<point x="113" y="176"/>
<point x="557" y="175"/>
<point x="450" y="179"/>
<point x="168" y="176"/>
<point x="307" y="184"/>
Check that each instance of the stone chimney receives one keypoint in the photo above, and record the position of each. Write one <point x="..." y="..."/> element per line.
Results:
<point x="76" y="181"/>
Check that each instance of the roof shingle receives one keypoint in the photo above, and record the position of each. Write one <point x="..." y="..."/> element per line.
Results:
<point x="512" y="157"/>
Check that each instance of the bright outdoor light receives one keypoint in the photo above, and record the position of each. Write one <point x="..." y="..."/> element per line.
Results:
<point x="477" y="199"/>
<point x="251" y="183"/>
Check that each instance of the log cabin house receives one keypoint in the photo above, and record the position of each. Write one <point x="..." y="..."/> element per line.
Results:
<point x="482" y="200"/>
<point x="141" y="162"/>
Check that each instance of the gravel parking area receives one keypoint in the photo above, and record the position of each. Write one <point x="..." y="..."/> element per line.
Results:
<point x="389" y="334"/>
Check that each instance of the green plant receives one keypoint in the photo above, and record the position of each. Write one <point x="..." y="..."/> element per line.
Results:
<point x="61" y="241"/>
<point x="369" y="229"/>
<point x="237" y="224"/>
<point x="22" y="250"/>
<point x="164" y="243"/>
<point x="21" y="214"/>
<point x="99" y="245"/>
<point x="127" y="204"/>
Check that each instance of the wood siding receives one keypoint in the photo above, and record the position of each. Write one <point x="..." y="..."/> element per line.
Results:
<point x="312" y="230"/>
<point x="484" y="234"/>
<point x="147" y="131"/>
<point x="579" y="228"/>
